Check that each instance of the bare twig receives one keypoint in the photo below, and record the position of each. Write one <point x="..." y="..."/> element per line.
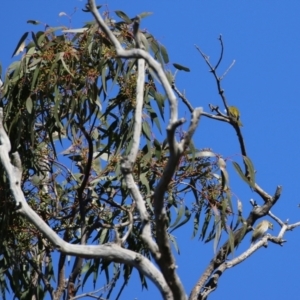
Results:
<point x="182" y="97"/>
<point x="221" y="53"/>
<point x="228" y="69"/>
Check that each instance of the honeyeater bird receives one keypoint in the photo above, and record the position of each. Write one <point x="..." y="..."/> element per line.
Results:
<point x="260" y="230"/>
<point x="234" y="113"/>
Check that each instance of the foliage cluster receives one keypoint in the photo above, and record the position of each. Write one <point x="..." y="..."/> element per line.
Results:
<point x="69" y="103"/>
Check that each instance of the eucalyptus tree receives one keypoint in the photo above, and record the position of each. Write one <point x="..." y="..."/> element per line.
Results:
<point x="97" y="163"/>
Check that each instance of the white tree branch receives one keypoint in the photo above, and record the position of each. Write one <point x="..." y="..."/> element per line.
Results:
<point x="213" y="281"/>
<point x="165" y="258"/>
<point x="128" y="163"/>
<point x="110" y="251"/>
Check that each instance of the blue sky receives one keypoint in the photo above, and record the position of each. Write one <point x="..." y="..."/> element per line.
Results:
<point x="263" y="37"/>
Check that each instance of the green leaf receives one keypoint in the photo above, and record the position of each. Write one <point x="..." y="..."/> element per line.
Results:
<point x="229" y="202"/>
<point x="174" y="242"/>
<point x="26" y="295"/>
<point x="103" y="78"/>
<point x="29" y="105"/>
<point x="33" y="63"/>
<point x="88" y="10"/>
<point x="240" y="172"/>
<point x="211" y="234"/>
<point x="119" y="63"/>
<point x="61" y="57"/>
<point x="144" y="41"/>
<point x="179" y="216"/>
<point x="164" y="54"/>
<point x="35" y="77"/>
<point x="123" y="16"/>
<point x="205" y="225"/>
<point x="218" y="227"/>
<point x="158" y="150"/>
<point x="196" y="223"/>
<point x="231" y="242"/>
<point x="187" y="214"/>
<point x="103" y="236"/>
<point x="181" y="68"/>
<point x="21" y="44"/>
<point x="57" y="98"/>
<point x="17" y="72"/>
<point x="35" y="41"/>
<point x="34" y="22"/>
<point x="153" y="75"/>
<point x="41" y="38"/>
<point x="154" y="117"/>
<point x="250" y="168"/>
<point x="160" y="100"/>
<point x="170" y="77"/>
<point x="145" y="182"/>
<point x="146" y="130"/>
<point x="242" y="233"/>
<point x="156" y="50"/>
<point x="224" y="173"/>
<point x="144" y="14"/>
<point x="78" y="30"/>
<point x="53" y="29"/>
<point x="88" y="269"/>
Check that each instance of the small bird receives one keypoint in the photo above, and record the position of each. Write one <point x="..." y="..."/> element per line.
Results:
<point x="260" y="230"/>
<point x="234" y="113"/>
